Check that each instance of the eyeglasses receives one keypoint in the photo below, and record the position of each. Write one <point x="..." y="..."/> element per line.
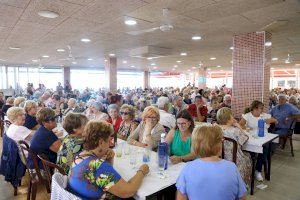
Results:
<point x="153" y="118"/>
<point x="124" y="113"/>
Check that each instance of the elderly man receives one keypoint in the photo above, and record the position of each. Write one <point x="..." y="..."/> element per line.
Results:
<point x="178" y="105"/>
<point x="198" y="110"/>
<point x="226" y="101"/>
<point x="285" y="113"/>
<point x="166" y="119"/>
<point x="71" y="106"/>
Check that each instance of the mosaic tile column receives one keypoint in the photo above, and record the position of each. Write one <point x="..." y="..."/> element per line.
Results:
<point x="251" y="70"/>
<point x="111" y="74"/>
<point x="201" y="78"/>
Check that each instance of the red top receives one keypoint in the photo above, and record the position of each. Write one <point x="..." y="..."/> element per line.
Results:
<point x="117" y="124"/>
<point x="193" y="112"/>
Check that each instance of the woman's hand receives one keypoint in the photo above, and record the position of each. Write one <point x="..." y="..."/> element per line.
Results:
<point x="144" y="168"/>
<point x="175" y="159"/>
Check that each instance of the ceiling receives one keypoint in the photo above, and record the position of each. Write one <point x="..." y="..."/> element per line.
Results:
<point x="102" y="21"/>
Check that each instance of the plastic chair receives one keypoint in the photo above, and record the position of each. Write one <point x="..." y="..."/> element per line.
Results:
<point x="234" y="149"/>
<point x="58" y="191"/>
<point x="36" y="177"/>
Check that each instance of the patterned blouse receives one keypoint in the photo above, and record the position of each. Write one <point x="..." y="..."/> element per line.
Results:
<point x="92" y="178"/>
<point x="70" y="146"/>
<point x="125" y="129"/>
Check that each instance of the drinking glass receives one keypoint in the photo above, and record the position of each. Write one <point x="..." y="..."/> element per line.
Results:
<point x="119" y="150"/>
<point x="132" y="158"/>
<point x="126" y="149"/>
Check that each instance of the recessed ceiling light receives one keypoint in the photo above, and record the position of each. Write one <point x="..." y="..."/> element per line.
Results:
<point x="287" y="62"/>
<point x="130" y="22"/>
<point x="14" y="48"/>
<point x="272" y="67"/>
<point x="178" y="61"/>
<point x="150" y="58"/>
<point x="111" y="54"/>
<point x="175" y="66"/>
<point x="124" y="61"/>
<point x="154" y="67"/>
<point x="213" y="58"/>
<point x="74" y="62"/>
<point x="105" y="60"/>
<point x="90" y="59"/>
<point x="86" y="40"/>
<point x="274" y="59"/>
<point x="132" y="66"/>
<point x="60" y="50"/>
<point x="189" y="70"/>
<point x="219" y="66"/>
<point x="196" y="37"/>
<point x="152" y="64"/>
<point x="48" y="14"/>
<point x="208" y="69"/>
<point x="194" y="67"/>
<point x="34" y="60"/>
<point x="268" y="44"/>
<point x="183" y="54"/>
<point x="45" y="56"/>
<point x="231" y="48"/>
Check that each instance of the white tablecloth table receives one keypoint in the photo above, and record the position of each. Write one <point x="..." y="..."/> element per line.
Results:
<point x="255" y="144"/>
<point x="151" y="183"/>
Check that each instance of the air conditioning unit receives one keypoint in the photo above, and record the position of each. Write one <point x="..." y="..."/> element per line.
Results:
<point x="149" y="52"/>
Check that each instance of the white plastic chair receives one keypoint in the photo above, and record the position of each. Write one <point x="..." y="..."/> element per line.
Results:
<point x="58" y="191"/>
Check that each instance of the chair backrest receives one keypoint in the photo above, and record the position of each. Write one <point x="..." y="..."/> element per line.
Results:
<point x="49" y="168"/>
<point x="58" y="190"/>
<point x="234" y="149"/>
<point x="7" y="123"/>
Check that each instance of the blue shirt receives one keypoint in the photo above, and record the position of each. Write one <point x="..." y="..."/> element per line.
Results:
<point x="30" y="122"/>
<point x="281" y="112"/>
<point x="203" y="180"/>
<point x="42" y="141"/>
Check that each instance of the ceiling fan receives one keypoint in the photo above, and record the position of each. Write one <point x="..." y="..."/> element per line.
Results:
<point x="166" y="26"/>
<point x="70" y="56"/>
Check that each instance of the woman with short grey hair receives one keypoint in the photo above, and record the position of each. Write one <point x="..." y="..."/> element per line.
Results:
<point x="114" y="117"/>
<point x="95" y="112"/>
<point x="128" y="124"/>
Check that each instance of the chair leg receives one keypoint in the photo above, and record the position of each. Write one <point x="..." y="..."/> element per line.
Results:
<point x="15" y="191"/>
<point x="291" y="144"/>
<point x="29" y="190"/>
<point x="34" y="190"/>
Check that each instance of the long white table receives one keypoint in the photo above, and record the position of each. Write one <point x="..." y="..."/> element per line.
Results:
<point x="255" y="144"/>
<point x="152" y="183"/>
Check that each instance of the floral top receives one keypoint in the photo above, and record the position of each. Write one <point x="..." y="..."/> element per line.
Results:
<point x="92" y="178"/>
<point x="69" y="147"/>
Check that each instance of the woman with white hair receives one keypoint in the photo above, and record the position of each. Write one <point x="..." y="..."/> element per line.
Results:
<point x="30" y="108"/>
<point x="95" y="112"/>
<point x="114" y="117"/>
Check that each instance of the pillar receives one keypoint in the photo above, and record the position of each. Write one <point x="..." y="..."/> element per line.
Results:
<point x="251" y="70"/>
<point x="66" y="75"/>
<point x="146" y="79"/>
<point x="111" y="74"/>
<point x="201" y="78"/>
<point x="6" y="77"/>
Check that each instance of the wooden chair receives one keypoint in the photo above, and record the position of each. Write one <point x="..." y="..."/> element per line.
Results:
<point x="50" y="167"/>
<point x="234" y="149"/>
<point x="289" y="137"/>
<point x="36" y="177"/>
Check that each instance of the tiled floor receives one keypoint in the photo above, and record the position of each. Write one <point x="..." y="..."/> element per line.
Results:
<point x="284" y="184"/>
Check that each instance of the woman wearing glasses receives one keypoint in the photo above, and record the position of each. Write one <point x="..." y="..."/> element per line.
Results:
<point x="147" y="134"/>
<point x="128" y="124"/>
<point x="180" y="138"/>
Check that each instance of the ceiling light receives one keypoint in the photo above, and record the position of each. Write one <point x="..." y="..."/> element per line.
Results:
<point x="189" y="70"/>
<point x="231" y="48"/>
<point x="111" y="54"/>
<point x="231" y="62"/>
<point x="90" y="59"/>
<point x="45" y="56"/>
<point x="124" y="61"/>
<point x="193" y="67"/>
<point x="48" y="14"/>
<point x="150" y="58"/>
<point x="208" y="69"/>
<point x="287" y="62"/>
<point x="272" y="67"/>
<point x="219" y="66"/>
<point x="130" y="22"/>
<point x="175" y="66"/>
<point x="74" y="62"/>
<point x="34" y="60"/>
<point x="183" y="54"/>
<point x="86" y="40"/>
<point x="196" y="37"/>
<point x="297" y="64"/>
<point x="132" y="66"/>
<point x="268" y="44"/>
<point x="152" y="64"/>
<point x="26" y="63"/>
<point x="274" y="59"/>
<point x="178" y="61"/>
<point x="105" y="60"/>
<point x="14" y="48"/>
<point x="173" y="69"/>
<point x="60" y="50"/>
<point x="213" y="58"/>
<point x="154" y="67"/>
<point x="2" y="60"/>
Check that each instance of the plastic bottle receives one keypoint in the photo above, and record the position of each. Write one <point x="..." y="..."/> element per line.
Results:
<point x="261" y="127"/>
<point x="163" y="153"/>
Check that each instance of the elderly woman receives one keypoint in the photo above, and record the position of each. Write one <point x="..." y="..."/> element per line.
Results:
<point x="17" y="131"/>
<point x="72" y="144"/>
<point x="9" y="103"/>
<point x="128" y="124"/>
<point x="93" y="176"/>
<point x="30" y="108"/>
<point x="180" y="138"/>
<point x="45" y="141"/>
<point x="233" y="130"/>
<point x="114" y="117"/>
<point x="95" y="112"/>
<point x="209" y="177"/>
<point x="148" y="132"/>
<point x="18" y="102"/>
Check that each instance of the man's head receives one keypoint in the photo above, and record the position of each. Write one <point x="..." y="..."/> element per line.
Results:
<point x="199" y="101"/>
<point x="71" y="103"/>
<point x="227" y="99"/>
<point x="281" y="99"/>
<point x="163" y="103"/>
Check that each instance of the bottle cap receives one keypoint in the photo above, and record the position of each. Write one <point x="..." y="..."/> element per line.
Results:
<point x="163" y="135"/>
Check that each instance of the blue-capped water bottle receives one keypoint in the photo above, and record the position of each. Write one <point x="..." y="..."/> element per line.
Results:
<point x="163" y="153"/>
<point x="261" y="127"/>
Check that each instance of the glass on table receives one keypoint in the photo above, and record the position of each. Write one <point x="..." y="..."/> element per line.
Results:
<point x="126" y="149"/>
<point x="132" y="158"/>
<point x="119" y="150"/>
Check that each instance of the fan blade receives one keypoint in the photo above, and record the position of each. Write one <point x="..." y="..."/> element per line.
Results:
<point x="142" y="31"/>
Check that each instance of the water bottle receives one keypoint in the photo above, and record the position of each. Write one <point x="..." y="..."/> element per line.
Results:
<point x="261" y="127"/>
<point x="163" y="153"/>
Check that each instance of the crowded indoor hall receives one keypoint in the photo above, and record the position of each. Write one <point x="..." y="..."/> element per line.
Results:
<point x="150" y="99"/>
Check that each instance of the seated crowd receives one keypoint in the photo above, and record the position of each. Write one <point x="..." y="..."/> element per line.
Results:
<point x="92" y="121"/>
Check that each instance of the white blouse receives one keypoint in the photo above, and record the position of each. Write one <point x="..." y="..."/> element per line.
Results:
<point x="252" y="122"/>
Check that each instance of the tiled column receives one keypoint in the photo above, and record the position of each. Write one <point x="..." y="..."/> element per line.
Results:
<point x="201" y="78"/>
<point x="111" y="74"/>
<point x="251" y="70"/>
<point x="66" y="75"/>
<point x="146" y="79"/>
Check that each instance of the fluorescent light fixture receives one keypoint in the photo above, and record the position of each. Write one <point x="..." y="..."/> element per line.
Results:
<point x="213" y="58"/>
<point x="152" y="64"/>
<point x="45" y="56"/>
<point x="74" y="63"/>
<point x="196" y="37"/>
<point x="105" y="60"/>
<point x="183" y="54"/>
<point x="34" y="60"/>
<point x="272" y="67"/>
<point x="90" y="59"/>
<point x="124" y="61"/>
<point x="150" y="58"/>
<point x="193" y="67"/>
<point x="48" y="14"/>
<point x="130" y="22"/>
<point x="175" y="66"/>
<point x="132" y="66"/>
<point x="219" y="66"/>
<point x="154" y="67"/>
<point x="60" y="50"/>
<point x="274" y="59"/>
<point x="2" y="60"/>
<point x="287" y="62"/>
<point x="14" y="48"/>
<point x="268" y="44"/>
<point x="208" y="69"/>
<point x="178" y="61"/>
<point x="85" y="40"/>
<point x="231" y="48"/>
<point x="112" y="54"/>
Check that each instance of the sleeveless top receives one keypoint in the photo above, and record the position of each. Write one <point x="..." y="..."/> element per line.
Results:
<point x="179" y="147"/>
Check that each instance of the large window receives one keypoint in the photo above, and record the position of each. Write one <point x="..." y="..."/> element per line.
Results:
<point x="82" y="78"/>
<point x="130" y="79"/>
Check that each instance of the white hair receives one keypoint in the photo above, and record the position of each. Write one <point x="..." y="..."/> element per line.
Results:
<point x="162" y="101"/>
